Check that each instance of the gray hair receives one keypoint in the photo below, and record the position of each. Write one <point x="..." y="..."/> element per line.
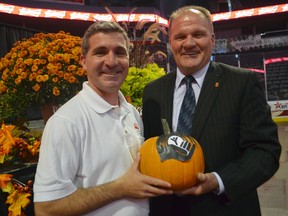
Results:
<point x="190" y="8"/>
<point x="104" y="27"/>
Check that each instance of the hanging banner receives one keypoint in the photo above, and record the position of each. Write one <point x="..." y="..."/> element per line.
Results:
<point x="65" y="1"/>
<point x="252" y="42"/>
<point x="250" y="12"/>
<point x="76" y="15"/>
<point x="249" y="43"/>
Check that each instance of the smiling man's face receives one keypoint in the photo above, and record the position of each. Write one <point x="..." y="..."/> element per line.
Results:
<point x="191" y="40"/>
<point x="107" y="62"/>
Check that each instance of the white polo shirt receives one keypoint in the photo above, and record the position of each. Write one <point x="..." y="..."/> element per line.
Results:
<point x="88" y="142"/>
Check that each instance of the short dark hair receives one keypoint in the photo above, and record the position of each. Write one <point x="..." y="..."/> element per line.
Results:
<point x="104" y="27"/>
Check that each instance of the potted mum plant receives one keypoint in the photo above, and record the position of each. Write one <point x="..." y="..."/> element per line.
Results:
<point x="40" y="70"/>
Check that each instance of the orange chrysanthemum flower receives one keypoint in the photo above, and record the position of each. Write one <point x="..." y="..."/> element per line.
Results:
<point x="42" y="69"/>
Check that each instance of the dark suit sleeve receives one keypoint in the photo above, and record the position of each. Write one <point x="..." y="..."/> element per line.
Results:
<point x="151" y="112"/>
<point x="157" y="104"/>
<point x="258" y="141"/>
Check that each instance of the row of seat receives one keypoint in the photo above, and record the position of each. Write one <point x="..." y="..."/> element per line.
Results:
<point x="275" y="81"/>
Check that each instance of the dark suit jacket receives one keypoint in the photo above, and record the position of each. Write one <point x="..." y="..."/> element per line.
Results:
<point x="233" y="124"/>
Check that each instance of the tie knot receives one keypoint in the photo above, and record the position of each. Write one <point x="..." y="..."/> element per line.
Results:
<point x="188" y="80"/>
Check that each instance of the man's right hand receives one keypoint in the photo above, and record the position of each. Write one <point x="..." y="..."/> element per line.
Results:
<point x="136" y="185"/>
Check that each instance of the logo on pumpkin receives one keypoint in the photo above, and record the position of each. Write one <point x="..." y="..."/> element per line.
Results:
<point x="175" y="146"/>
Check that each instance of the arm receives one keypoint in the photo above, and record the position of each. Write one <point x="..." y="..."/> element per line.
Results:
<point x="131" y="185"/>
<point x="258" y="140"/>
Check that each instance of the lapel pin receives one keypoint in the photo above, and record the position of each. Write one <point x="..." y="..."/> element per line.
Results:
<point x="216" y="84"/>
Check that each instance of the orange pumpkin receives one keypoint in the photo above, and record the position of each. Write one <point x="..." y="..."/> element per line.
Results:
<point x="172" y="157"/>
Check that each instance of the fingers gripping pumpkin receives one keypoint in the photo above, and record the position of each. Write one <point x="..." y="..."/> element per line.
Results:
<point x="172" y="157"/>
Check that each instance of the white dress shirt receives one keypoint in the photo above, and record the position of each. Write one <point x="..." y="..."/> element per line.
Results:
<point x="179" y="93"/>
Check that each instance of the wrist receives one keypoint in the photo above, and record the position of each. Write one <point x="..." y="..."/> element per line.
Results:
<point x="219" y="187"/>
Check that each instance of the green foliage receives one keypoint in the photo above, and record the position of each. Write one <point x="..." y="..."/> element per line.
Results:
<point x="137" y="79"/>
<point x="13" y="105"/>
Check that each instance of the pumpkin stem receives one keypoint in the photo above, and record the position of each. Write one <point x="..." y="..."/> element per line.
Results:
<point x="165" y="126"/>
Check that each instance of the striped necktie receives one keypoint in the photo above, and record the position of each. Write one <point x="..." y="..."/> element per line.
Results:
<point x="187" y="108"/>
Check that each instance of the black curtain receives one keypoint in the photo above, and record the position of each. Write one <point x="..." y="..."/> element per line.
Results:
<point x="10" y="34"/>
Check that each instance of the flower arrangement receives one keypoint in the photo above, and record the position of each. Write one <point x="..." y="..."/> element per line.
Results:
<point x="20" y="145"/>
<point x="42" y="69"/>
<point x="143" y="68"/>
<point x="141" y="51"/>
<point x="19" y="194"/>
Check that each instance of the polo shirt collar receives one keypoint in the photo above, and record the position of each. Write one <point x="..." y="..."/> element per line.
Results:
<point x="97" y="103"/>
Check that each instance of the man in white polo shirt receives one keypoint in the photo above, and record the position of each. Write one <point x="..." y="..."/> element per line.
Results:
<point x="88" y="161"/>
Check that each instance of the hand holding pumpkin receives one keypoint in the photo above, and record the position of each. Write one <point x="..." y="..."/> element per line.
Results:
<point x="133" y="184"/>
<point x="206" y="183"/>
<point x="172" y="157"/>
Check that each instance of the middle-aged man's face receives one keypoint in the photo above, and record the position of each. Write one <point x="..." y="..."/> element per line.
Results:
<point x="107" y="62"/>
<point x="191" y="41"/>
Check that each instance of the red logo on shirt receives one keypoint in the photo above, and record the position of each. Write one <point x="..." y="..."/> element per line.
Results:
<point x="136" y="126"/>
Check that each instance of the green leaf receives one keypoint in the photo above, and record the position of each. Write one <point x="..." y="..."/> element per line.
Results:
<point x="137" y="79"/>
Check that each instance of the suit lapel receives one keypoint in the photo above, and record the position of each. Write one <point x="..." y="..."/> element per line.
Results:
<point x="212" y="85"/>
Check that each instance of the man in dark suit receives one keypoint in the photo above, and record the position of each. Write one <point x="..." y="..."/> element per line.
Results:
<point x="232" y="122"/>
